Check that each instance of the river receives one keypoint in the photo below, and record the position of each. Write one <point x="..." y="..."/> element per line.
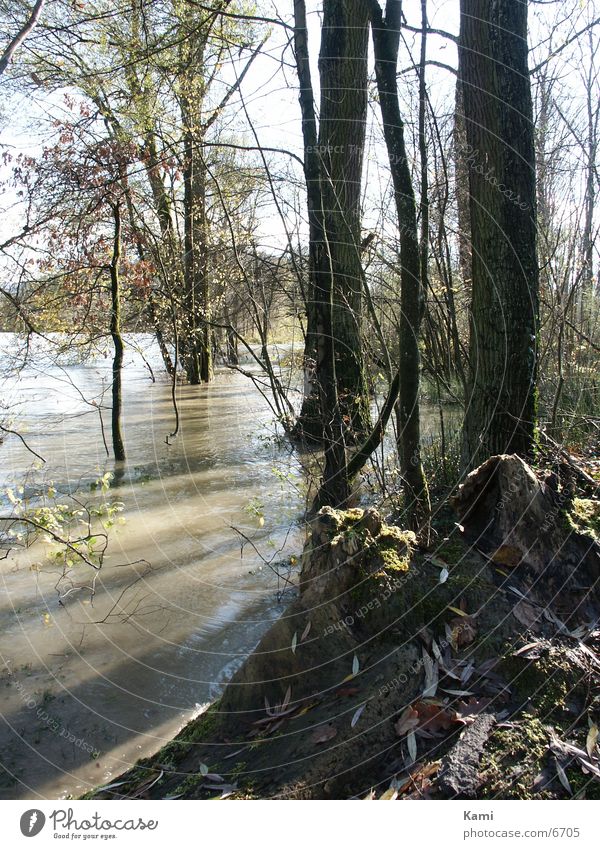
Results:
<point x="81" y="701"/>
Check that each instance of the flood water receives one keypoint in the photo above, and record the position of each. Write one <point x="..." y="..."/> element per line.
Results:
<point x="88" y="685"/>
<point x="81" y="698"/>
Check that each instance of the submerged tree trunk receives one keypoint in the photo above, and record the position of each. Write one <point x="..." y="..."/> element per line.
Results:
<point x="501" y="411"/>
<point x="115" y="332"/>
<point x="386" y="36"/>
<point x="195" y="340"/>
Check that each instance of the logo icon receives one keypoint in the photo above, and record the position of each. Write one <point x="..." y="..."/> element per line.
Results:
<point x="32" y="822"/>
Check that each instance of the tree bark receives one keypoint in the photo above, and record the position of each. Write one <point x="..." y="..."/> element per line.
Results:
<point x="20" y="37"/>
<point x="386" y="36"/>
<point x="501" y="411"/>
<point x="335" y="214"/>
<point x="115" y="332"/>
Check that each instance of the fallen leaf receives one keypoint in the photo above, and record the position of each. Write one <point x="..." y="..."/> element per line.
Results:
<point x="467" y="672"/>
<point x="437" y="561"/>
<point x="524" y="650"/>
<point x="467" y="711"/>
<point x="433" y="716"/>
<point x="419" y="777"/>
<point x="458" y="692"/>
<point x="347" y="691"/>
<point x="305" y="709"/>
<point x="411" y="744"/>
<point x="306" y="631"/>
<point x="592" y="739"/>
<point x="463" y="633"/>
<point x="355" y="665"/>
<point x="225" y="789"/>
<point x="410" y="719"/>
<point x="389" y="795"/>
<point x="357" y="715"/>
<point x="444" y="575"/>
<point x="507" y="555"/>
<point x="294" y="642"/>
<point x="562" y="777"/>
<point x="322" y="735"/>
<point x="431" y="676"/>
<point x="526" y="614"/>
<point x="457" y="610"/>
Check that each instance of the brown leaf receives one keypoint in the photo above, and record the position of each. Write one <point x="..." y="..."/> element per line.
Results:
<point x="467" y="711"/>
<point x="323" y="734"/>
<point x="433" y="716"/>
<point x="526" y="613"/>
<point x="408" y="721"/>
<point x="464" y="631"/>
<point x="419" y="778"/>
<point x="347" y="691"/>
<point x="507" y="555"/>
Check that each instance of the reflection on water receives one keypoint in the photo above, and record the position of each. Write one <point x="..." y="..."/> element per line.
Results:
<point x="72" y="684"/>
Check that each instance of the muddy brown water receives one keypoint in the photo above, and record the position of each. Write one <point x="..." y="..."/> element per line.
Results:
<point x="81" y="701"/>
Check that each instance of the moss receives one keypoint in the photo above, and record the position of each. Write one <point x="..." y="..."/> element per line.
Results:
<point x="546" y="683"/>
<point x="189" y="785"/>
<point x="394" y="562"/>
<point x="350" y="517"/>
<point x="585" y="516"/>
<point x="391" y="536"/>
<point x="583" y="786"/>
<point x="168" y="757"/>
<point x="393" y="549"/>
<point x="513" y="759"/>
<point x="452" y="550"/>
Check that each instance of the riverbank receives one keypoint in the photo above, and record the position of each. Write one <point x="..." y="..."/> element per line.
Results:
<point x="470" y="671"/>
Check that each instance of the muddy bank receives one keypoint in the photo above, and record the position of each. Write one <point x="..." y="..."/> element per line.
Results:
<point x="469" y="671"/>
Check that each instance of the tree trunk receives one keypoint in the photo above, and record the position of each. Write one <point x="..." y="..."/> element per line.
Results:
<point x="386" y="35"/>
<point x="196" y="344"/>
<point x="461" y="171"/>
<point x="333" y="171"/>
<point x="115" y="332"/>
<point x="501" y="410"/>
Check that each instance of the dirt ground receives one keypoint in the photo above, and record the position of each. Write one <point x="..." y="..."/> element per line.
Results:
<point x="470" y="670"/>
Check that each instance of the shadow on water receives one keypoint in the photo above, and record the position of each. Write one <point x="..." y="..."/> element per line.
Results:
<point x="68" y="685"/>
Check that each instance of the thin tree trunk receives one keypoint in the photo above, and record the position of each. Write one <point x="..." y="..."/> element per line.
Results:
<point x="309" y="423"/>
<point x="20" y="37"/>
<point x="386" y="35"/>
